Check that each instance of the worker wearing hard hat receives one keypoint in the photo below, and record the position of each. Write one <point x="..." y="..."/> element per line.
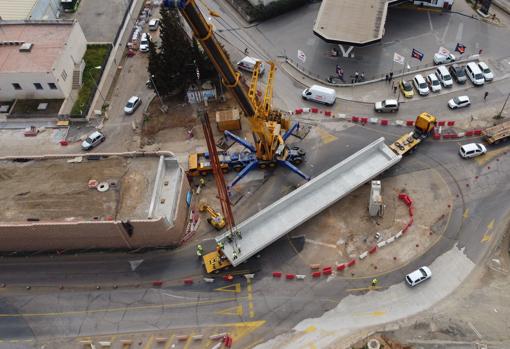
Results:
<point x="200" y="250"/>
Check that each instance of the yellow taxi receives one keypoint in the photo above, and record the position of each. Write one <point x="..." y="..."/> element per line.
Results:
<point x="407" y="88"/>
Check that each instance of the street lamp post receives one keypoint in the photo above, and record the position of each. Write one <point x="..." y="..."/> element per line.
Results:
<point x="157" y="92"/>
<point x="97" y="87"/>
<point x="500" y="115"/>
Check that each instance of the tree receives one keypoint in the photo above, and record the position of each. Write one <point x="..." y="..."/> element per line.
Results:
<point x="174" y="63"/>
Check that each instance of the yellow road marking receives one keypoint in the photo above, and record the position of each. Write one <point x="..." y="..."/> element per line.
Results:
<point x="326" y="136"/>
<point x="482" y="160"/>
<point x="486" y="237"/>
<point x="169" y="342"/>
<point x="230" y="288"/>
<point x="310" y="329"/>
<point x="491" y="225"/>
<point x="466" y="213"/>
<point x="148" y="345"/>
<point x="242" y="329"/>
<point x="237" y="310"/>
<point x="111" y="310"/>
<point x="251" y="313"/>
<point x="190" y="339"/>
<point x="373" y="313"/>
<point x="364" y="288"/>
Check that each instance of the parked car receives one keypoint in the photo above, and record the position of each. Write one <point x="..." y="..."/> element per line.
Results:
<point x="418" y="276"/>
<point x="154" y="24"/>
<point x="443" y="59"/>
<point x="421" y="85"/>
<point x="434" y="83"/>
<point x="388" y="105"/>
<point x="486" y="71"/>
<point x="458" y="73"/>
<point x="459" y="102"/>
<point x="444" y="76"/>
<point x="475" y="74"/>
<point x="144" y="42"/>
<point x="94" y="139"/>
<point x="472" y="150"/>
<point x="132" y="104"/>
<point x="406" y="88"/>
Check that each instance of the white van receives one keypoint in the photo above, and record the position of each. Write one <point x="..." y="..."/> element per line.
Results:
<point x="444" y="76"/>
<point x="474" y="74"/>
<point x="320" y="94"/>
<point x="248" y="64"/>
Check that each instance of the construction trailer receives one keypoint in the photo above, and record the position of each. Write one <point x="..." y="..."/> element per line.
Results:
<point x="497" y="134"/>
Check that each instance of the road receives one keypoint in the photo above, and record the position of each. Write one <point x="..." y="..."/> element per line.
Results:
<point x="99" y="294"/>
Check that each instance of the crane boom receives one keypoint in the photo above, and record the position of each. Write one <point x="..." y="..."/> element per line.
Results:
<point x="204" y="34"/>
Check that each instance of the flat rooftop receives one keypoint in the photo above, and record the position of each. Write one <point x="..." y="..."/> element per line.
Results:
<point x="352" y="22"/>
<point x="48" y="42"/>
<point x="57" y="190"/>
<point x="16" y="9"/>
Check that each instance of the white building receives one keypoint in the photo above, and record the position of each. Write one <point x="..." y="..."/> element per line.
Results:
<point x="40" y="60"/>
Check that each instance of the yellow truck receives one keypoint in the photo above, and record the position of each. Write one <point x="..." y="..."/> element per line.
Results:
<point x="423" y="127"/>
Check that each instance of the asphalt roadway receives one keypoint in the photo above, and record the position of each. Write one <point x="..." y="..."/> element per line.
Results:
<point x="92" y="294"/>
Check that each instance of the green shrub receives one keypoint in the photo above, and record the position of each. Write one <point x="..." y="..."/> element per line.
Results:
<point x="95" y="56"/>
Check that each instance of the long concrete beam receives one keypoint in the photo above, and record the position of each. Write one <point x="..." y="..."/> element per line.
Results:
<point x="279" y="218"/>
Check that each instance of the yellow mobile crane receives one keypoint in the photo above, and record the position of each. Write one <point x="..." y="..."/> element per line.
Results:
<point x="270" y="128"/>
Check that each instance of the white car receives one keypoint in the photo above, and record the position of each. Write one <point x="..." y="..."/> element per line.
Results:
<point x="486" y="71"/>
<point x="93" y="140"/>
<point x="443" y="59"/>
<point x="418" y="276"/>
<point x="144" y="42"/>
<point x="388" y="105"/>
<point x="434" y="83"/>
<point x="459" y="102"/>
<point x="421" y="85"/>
<point x="133" y="103"/>
<point x="472" y="150"/>
<point x="154" y="24"/>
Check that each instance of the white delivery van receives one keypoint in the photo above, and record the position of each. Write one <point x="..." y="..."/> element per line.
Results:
<point x="248" y="64"/>
<point x="320" y="94"/>
<point x="474" y="74"/>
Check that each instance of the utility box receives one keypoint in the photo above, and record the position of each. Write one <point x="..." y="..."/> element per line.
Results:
<point x="376" y="205"/>
<point x="228" y="120"/>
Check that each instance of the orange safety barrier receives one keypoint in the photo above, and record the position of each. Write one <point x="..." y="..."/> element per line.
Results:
<point x="290" y="276"/>
<point x="277" y="274"/>
<point x="316" y="274"/>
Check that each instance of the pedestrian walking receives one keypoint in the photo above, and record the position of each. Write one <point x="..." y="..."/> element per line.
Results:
<point x="374" y="282"/>
<point x="362" y="76"/>
<point x="485" y="96"/>
<point x="356" y="76"/>
<point x="394" y="90"/>
<point x="246" y="51"/>
<point x="391" y="75"/>
<point x="387" y="78"/>
<point x="480" y="52"/>
<point x="338" y="70"/>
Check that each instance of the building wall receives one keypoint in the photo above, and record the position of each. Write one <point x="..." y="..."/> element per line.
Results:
<point x="70" y="60"/>
<point x="45" y="9"/>
<point x="29" y="91"/>
<point x="50" y="236"/>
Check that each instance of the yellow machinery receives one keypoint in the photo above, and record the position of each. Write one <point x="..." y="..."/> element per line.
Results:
<point x="215" y="219"/>
<point x="423" y="127"/>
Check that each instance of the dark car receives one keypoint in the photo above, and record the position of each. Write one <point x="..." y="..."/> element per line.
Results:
<point x="458" y="73"/>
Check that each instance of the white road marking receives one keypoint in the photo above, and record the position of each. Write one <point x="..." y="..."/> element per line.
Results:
<point x="460" y="29"/>
<point x="475" y="330"/>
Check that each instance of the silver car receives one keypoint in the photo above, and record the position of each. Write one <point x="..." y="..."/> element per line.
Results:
<point x="93" y="140"/>
<point x="388" y="105"/>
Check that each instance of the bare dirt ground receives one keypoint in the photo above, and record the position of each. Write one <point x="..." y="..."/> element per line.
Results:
<point x="56" y="190"/>
<point x="345" y="230"/>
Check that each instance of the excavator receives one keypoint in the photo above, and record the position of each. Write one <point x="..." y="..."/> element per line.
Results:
<point x="270" y="127"/>
<point x="215" y="219"/>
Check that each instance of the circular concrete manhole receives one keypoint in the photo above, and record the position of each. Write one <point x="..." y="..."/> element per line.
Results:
<point x="103" y="186"/>
<point x="373" y="344"/>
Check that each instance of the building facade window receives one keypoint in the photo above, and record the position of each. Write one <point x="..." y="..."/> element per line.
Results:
<point x="52" y="86"/>
<point x="37" y="86"/>
<point x="64" y="75"/>
<point x="16" y="86"/>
